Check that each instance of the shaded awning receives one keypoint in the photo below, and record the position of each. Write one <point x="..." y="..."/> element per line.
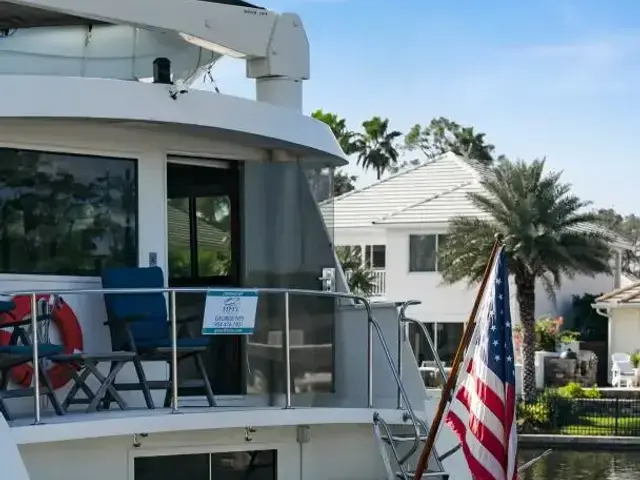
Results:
<point x="14" y="16"/>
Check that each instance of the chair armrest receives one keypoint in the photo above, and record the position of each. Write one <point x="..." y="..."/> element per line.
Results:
<point x="23" y="323"/>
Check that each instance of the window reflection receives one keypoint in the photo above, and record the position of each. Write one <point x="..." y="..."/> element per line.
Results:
<point x="66" y="214"/>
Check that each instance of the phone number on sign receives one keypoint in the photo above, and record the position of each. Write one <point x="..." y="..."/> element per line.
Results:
<point x="228" y="321"/>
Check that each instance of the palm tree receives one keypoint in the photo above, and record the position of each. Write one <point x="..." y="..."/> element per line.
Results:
<point x="470" y="144"/>
<point x="339" y="128"/>
<point x="538" y="216"/>
<point x="376" y="147"/>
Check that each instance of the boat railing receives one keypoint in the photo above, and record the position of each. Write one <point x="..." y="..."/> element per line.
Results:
<point x="287" y="293"/>
<point x="403" y="322"/>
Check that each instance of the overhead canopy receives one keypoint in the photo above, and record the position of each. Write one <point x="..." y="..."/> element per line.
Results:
<point x="14" y="16"/>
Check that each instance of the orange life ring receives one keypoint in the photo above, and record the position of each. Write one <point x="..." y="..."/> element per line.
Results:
<point x="68" y="326"/>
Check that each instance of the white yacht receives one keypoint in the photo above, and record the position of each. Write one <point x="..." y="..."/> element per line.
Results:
<point x="120" y="185"/>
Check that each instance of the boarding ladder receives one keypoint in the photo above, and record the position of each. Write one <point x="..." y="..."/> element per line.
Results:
<point x="400" y="444"/>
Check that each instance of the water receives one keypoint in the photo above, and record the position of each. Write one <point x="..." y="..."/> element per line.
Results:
<point x="582" y="465"/>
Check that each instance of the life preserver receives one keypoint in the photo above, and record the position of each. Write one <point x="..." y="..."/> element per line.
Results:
<point x="67" y="325"/>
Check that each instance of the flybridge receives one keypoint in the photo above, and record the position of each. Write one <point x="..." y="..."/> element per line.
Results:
<point x="120" y="39"/>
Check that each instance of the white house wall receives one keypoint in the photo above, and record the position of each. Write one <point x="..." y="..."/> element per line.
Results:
<point x="360" y="236"/>
<point x="452" y="303"/>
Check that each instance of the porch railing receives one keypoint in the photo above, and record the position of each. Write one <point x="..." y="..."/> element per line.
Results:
<point x="373" y="326"/>
<point x="378" y="280"/>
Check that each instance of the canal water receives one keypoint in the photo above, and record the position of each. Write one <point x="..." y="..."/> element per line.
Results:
<point x="582" y="465"/>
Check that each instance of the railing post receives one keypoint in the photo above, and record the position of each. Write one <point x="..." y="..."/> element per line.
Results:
<point x="400" y="342"/>
<point x="36" y="369"/>
<point x="287" y="352"/>
<point x="615" y="431"/>
<point x="174" y="351"/>
<point x="369" y="362"/>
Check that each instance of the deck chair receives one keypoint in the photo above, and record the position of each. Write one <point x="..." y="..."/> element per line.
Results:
<point x="139" y="323"/>
<point x="15" y="354"/>
<point x="622" y="370"/>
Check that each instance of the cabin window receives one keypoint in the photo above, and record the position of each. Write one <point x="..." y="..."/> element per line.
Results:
<point x="256" y="465"/>
<point x="423" y="252"/>
<point x="65" y="214"/>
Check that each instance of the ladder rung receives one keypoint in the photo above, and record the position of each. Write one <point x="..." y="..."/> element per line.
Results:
<point x="404" y="438"/>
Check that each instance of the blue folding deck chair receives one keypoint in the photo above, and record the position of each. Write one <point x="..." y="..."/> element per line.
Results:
<point x="139" y="323"/>
<point x="16" y="354"/>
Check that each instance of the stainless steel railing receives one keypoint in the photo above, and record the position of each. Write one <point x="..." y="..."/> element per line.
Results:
<point x="403" y="321"/>
<point x="373" y="325"/>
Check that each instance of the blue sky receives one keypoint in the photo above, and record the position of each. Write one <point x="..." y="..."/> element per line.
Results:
<point x="554" y="78"/>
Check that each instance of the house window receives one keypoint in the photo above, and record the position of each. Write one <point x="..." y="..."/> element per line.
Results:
<point x="376" y="256"/>
<point x="64" y="214"/>
<point x="423" y="252"/>
<point x="446" y="337"/>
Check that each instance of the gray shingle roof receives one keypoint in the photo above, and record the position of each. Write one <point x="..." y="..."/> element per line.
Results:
<point x="431" y="193"/>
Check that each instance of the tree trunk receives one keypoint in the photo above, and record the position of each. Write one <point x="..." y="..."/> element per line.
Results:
<point x="526" y="295"/>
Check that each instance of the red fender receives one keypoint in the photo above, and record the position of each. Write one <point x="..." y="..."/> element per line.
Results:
<point x="67" y="324"/>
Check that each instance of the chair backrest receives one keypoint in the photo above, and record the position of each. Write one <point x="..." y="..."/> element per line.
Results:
<point x="625" y="368"/>
<point x="151" y="307"/>
<point x="620" y="357"/>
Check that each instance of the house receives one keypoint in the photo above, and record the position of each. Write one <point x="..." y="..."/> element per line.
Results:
<point x="397" y="224"/>
<point x="621" y="309"/>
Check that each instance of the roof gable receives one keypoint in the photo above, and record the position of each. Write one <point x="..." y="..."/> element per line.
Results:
<point x="400" y="192"/>
<point x="431" y="193"/>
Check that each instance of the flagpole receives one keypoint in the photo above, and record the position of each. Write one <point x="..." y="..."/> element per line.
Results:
<point x="423" y="462"/>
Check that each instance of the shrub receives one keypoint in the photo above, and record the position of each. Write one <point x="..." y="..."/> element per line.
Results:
<point x="635" y="359"/>
<point x="532" y="418"/>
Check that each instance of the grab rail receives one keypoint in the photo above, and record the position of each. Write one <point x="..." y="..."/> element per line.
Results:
<point x="374" y="325"/>
<point x="404" y="320"/>
<point x="287" y="292"/>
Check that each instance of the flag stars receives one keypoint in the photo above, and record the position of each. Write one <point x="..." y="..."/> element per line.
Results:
<point x="497" y="357"/>
<point x="509" y="358"/>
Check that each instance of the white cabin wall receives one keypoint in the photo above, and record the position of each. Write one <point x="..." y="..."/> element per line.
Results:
<point x="334" y="452"/>
<point x="150" y="145"/>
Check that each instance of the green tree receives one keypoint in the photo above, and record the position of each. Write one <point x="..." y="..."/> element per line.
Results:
<point x="442" y="135"/>
<point x="377" y="146"/>
<point x="628" y="227"/>
<point x="360" y="279"/>
<point x="338" y="125"/>
<point x="537" y="215"/>
<point x="342" y="181"/>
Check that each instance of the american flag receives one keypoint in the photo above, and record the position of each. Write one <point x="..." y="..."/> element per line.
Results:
<point x="483" y="410"/>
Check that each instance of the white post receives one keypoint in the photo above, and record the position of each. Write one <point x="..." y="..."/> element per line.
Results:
<point x="617" y="269"/>
<point x="281" y="91"/>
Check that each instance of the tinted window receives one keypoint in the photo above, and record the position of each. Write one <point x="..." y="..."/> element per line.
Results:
<point x="64" y="214"/>
<point x="422" y="253"/>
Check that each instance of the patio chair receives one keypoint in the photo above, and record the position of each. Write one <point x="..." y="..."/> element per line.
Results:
<point x="14" y="354"/>
<point x="622" y="370"/>
<point x="139" y="323"/>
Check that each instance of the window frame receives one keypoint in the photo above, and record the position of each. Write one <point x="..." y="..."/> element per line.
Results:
<point x="80" y="152"/>
<point x="200" y="450"/>
<point x="437" y="249"/>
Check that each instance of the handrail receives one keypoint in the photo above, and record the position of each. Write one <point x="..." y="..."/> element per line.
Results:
<point x="174" y="337"/>
<point x="432" y="347"/>
<point x="374" y="325"/>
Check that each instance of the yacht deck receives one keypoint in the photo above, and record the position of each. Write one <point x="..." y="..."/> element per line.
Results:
<point x="80" y="425"/>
